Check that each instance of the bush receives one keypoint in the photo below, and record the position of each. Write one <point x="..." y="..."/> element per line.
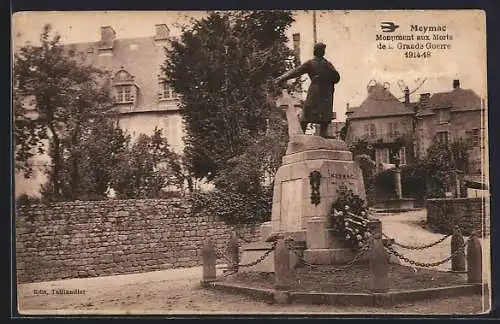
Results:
<point x="233" y="207"/>
<point x="26" y="200"/>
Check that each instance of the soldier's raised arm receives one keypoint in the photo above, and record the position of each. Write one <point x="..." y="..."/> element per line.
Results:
<point x="295" y="73"/>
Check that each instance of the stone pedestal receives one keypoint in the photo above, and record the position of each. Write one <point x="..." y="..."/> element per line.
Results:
<point x="293" y="209"/>
<point x="295" y="214"/>
<point x="292" y="206"/>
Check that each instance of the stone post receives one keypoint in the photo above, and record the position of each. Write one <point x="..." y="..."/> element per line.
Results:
<point x="375" y="226"/>
<point x="456" y="174"/>
<point x="282" y="272"/>
<point x="208" y="258"/>
<point x="379" y="266"/>
<point x="474" y="259"/>
<point x="457" y="244"/>
<point x="234" y="252"/>
<point x="397" y="182"/>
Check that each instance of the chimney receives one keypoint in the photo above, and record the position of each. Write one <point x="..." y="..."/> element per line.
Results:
<point x="108" y="36"/>
<point x="407" y="95"/>
<point x="348" y="110"/>
<point x="424" y="100"/>
<point x="456" y="84"/>
<point x="161" y="32"/>
<point x="296" y="47"/>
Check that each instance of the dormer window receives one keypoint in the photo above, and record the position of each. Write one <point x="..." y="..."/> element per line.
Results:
<point x="166" y="92"/>
<point x="124" y="87"/>
<point x="123" y="93"/>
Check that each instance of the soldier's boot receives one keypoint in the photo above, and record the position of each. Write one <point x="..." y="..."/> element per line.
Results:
<point x="303" y="125"/>
<point x="323" y="130"/>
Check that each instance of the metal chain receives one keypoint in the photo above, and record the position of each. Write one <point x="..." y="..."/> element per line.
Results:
<point x="221" y="254"/>
<point x="421" y="247"/>
<point x="259" y="260"/>
<point x="333" y="270"/>
<point x="423" y="264"/>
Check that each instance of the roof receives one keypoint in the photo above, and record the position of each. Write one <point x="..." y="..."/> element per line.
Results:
<point x="457" y="99"/>
<point x="141" y="57"/>
<point x="380" y="102"/>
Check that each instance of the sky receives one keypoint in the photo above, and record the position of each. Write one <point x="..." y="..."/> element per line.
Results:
<point x="348" y="35"/>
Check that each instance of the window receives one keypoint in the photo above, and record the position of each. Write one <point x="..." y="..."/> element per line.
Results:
<point x="442" y="137"/>
<point x="402" y="156"/>
<point x="393" y="130"/>
<point x="124" y="86"/>
<point x="166" y="92"/>
<point x="382" y="155"/>
<point x="123" y="93"/>
<point x="370" y="130"/>
<point x="444" y="116"/>
<point x="475" y="137"/>
<point x="468" y="139"/>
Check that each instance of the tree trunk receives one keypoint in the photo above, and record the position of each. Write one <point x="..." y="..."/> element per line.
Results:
<point x="56" y="162"/>
<point x="75" y="177"/>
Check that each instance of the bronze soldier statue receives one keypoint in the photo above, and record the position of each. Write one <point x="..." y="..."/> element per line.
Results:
<point x="318" y="107"/>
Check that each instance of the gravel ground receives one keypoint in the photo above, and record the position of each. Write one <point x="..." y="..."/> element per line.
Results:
<point x="177" y="291"/>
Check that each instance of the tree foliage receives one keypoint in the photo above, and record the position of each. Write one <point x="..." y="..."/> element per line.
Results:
<point x="429" y="176"/>
<point x="54" y="95"/>
<point x="221" y="66"/>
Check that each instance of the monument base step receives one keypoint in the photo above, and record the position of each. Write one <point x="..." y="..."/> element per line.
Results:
<point x="328" y="256"/>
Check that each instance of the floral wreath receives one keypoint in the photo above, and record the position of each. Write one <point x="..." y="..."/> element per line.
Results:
<point x="350" y="219"/>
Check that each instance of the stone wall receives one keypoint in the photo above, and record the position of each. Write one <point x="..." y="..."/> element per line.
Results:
<point x="95" y="238"/>
<point x="444" y="213"/>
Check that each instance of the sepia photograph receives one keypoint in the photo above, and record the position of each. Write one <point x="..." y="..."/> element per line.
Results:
<point x="250" y="162"/>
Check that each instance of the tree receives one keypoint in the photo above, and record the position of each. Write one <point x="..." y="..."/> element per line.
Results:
<point x="54" y="95"/>
<point x="102" y="145"/>
<point x="428" y="177"/>
<point x="146" y="168"/>
<point x="363" y="153"/>
<point x="221" y="66"/>
<point x="243" y="192"/>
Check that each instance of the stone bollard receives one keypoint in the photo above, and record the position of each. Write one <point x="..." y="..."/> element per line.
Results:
<point x="208" y="258"/>
<point x="457" y="244"/>
<point x="379" y="266"/>
<point x="234" y="252"/>
<point x="474" y="259"/>
<point x="282" y="273"/>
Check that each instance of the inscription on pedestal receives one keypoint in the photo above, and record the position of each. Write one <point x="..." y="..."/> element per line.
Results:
<point x="291" y="204"/>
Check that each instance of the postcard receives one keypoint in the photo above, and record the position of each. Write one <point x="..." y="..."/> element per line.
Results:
<point x="251" y="162"/>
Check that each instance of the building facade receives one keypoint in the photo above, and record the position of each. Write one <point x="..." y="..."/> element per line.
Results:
<point x="143" y="99"/>
<point x="387" y="122"/>
<point x="451" y="116"/>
